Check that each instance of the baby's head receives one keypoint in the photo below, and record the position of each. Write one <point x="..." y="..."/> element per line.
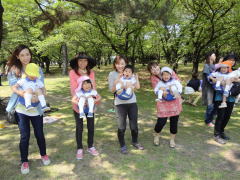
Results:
<point x="153" y="68"/>
<point x="128" y="71"/>
<point x="166" y="73"/>
<point x="87" y="85"/>
<point x="224" y="67"/>
<point x="32" y="71"/>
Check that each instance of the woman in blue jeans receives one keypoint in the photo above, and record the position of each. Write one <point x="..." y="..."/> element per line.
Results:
<point x="207" y="89"/>
<point x="16" y="67"/>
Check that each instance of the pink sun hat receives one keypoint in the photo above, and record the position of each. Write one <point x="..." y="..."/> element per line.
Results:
<point x="80" y="81"/>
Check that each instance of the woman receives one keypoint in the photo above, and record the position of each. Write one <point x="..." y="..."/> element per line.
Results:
<point x="165" y="109"/>
<point x="224" y="114"/>
<point x="16" y="70"/>
<point x="81" y="66"/>
<point x="207" y="89"/>
<point x="124" y="108"/>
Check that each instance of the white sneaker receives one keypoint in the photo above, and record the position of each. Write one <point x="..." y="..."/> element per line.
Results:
<point x="45" y="160"/>
<point x="25" y="168"/>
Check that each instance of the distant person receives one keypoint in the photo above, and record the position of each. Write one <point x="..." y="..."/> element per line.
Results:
<point x="193" y="85"/>
<point x="207" y="89"/>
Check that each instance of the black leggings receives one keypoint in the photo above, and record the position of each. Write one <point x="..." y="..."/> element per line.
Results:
<point x="130" y="110"/>
<point x="162" y="121"/>
<point x="223" y="116"/>
<point x="79" y="130"/>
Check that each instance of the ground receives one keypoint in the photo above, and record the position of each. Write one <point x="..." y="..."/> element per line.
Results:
<point x="197" y="156"/>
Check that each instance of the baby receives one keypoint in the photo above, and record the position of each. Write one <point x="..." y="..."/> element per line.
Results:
<point x="85" y="93"/>
<point x="32" y="85"/>
<point x="223" y="76"/>
<point x="167" y="84"/>
<point x="127" y="81"/>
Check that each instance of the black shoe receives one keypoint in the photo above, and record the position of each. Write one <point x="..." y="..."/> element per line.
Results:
<point x="219" y="140"/>
<point x="223" y="136"/>
<point x="123" y="150"/>
<point x="138" y="146"/>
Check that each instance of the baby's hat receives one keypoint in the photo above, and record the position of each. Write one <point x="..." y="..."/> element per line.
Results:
<point x="166" y="69"/>
<point x="80" y="81"/>
<point x="32" y="69"/>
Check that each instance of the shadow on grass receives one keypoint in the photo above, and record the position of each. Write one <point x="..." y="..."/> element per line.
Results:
<point x="197" y="155"/>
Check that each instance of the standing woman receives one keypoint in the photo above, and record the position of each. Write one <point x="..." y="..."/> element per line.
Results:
<point x="81" y="66"/>
<point x="165" y="109"/>
<point x="16" y="70"/>
<point x="124" y="108"/>
<point x="207" y="89"/>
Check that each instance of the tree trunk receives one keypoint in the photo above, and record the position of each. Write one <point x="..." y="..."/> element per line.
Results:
<point x="1" y="23"/>
<point x="47" y="63"/>
<point x="64" y="59"/>
<point x="195" y="66"/>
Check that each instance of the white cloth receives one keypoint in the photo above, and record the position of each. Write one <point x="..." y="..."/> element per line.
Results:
<point x="131" y="80"/>
<point x="30" y="84"/>
<point x="168" y="85"/>
<point x="83" y="97"/>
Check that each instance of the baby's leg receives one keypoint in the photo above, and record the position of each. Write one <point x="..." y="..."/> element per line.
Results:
<point x="223" y="104"/>
<point x="118" y="86"/>
<point x="218" y="83"/>
<point x="228" y="86"/>
<point x="41" y="97"/>
<point x="81" y="104"/>
<point x="28" y="96"/>
<point x="160" y="94"/>
<point x="129" y="91"/>
<point x="174" y="91"/>
<point x="90" y="104"/>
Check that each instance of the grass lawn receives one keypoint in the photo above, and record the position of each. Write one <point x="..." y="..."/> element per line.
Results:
<point x="197" y="156"/>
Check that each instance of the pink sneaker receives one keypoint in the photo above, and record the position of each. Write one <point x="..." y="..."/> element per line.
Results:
<point x="25" y="168"/>
<point x="79" y="154"/>
<point x="45" y="160"/>
<point x="93" y="151"/>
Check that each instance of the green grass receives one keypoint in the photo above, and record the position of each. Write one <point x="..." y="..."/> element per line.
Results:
<point x="197" y="156"/>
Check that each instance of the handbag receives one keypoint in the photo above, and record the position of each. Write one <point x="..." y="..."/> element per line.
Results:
<point x="12" y="117"/>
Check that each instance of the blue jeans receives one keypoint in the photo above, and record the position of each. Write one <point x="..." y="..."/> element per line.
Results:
<point x="210" y="113"/>
<point x="24" y="127"/>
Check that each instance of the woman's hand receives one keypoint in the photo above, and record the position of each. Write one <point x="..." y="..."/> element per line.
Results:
<point x="97" y="100"/>
<point x="165" y="93"/>
<point x="20" y="93"/>
<point x="75" y="100"/>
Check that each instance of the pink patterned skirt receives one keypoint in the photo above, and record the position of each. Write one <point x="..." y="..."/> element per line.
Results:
<point x="169" y="108"/>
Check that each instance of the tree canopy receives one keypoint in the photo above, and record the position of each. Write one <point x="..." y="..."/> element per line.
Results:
<point x="175" y="30"/>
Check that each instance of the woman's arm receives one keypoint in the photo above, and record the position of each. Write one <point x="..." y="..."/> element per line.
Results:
<point x="73" y="82"/>
<point x="17" y="91"/>
<point x="137" y="84"/>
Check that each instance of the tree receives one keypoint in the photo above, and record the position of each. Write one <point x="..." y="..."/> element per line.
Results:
<point x="1" y="23"/>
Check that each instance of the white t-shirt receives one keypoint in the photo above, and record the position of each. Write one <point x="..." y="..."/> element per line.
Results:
<point x="30" y="84"/>
<point x="131" y="80"/>
<point x="92" y="92"/>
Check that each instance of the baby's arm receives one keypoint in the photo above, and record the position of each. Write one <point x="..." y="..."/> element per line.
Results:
<point x="15" y="88"/>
